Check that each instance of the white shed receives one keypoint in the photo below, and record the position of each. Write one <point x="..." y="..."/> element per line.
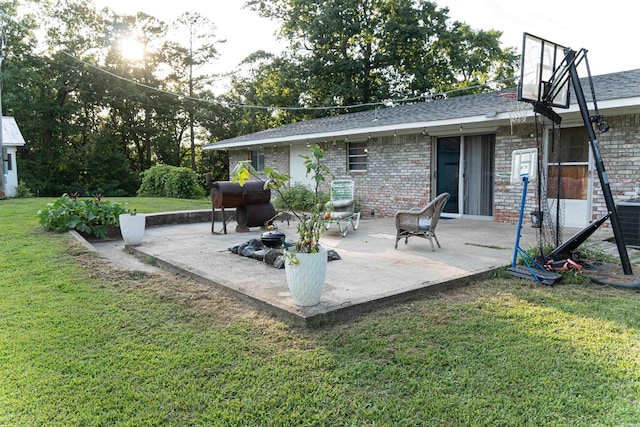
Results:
<point x="11" y="140"/>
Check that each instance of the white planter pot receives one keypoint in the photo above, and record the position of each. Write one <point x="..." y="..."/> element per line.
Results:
<point x="132" y="228"/>
<point x="306" y="278"/>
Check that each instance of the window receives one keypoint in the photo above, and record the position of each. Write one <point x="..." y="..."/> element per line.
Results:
<point x="358" y="153"/>
<point x="257" y="159"/>
<point x="568" y="172"/>
<point x="9" y="162"/>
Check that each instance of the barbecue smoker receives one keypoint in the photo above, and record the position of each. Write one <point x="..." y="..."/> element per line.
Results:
<point x="251" y="202"/>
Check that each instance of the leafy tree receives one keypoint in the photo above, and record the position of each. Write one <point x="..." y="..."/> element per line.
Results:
<point x="134" y="108"/>
<point x="266" y="80"/>
<point x="108" y="171"/>
<point x="361" y="51"/>
<point x="186" y="61"/>
<point x="45" y="94"/>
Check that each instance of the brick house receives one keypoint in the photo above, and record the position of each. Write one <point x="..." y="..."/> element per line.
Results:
<point x="401" y="157"/>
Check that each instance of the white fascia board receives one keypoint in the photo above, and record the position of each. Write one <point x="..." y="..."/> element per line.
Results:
<point x="620" y="105"/>
<point x="630" y="104"/>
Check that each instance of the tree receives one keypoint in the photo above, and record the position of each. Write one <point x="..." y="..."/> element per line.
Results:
<point x="361" y="51"/>
<point x="266" y="80"/>
<point x="185" y="61"/>
<point x="47" y="96"/>
<point x="134" y="108"/>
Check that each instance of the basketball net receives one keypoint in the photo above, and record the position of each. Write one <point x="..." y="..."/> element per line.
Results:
<point x="517" y="110"/>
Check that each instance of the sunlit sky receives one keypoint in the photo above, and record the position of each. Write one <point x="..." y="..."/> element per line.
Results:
<point x="605" y="28"/>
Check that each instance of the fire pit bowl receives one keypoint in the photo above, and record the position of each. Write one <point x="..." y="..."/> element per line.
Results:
<point x="273" y="239"/>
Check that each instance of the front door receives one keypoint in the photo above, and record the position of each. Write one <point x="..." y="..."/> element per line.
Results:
<point x="448" y="171"/>
<point x="569" y="177"/>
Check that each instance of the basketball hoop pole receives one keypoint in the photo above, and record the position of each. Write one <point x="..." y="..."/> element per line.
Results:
<point x="602" y="174"/>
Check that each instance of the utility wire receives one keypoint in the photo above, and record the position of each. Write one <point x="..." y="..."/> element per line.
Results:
<point x="263" y="107"/>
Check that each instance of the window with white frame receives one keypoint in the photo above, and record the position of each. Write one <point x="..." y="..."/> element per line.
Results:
<point x="257" y="159"/>
<point x="358" y="155"/>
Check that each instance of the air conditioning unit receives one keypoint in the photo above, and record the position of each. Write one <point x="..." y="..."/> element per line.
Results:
<point x="629" y="216"/>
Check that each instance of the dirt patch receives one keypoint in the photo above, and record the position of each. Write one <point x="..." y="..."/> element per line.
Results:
<point x="200" y="299"/>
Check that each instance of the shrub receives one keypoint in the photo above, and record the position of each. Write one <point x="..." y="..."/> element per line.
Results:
<point x="298" y="197"/>
<point x="23" y="191"/>
<point x="154" y="181"/>
<point x="170" y="181"/>
<point x="182" y="183"/>
<point x="91" y="216"/>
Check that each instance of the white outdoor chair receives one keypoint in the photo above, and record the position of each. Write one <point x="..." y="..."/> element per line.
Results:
<point x="341" y="206"/>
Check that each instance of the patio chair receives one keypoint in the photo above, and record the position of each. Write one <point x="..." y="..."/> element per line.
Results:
<point x="421" y="222"/>
<point x="341" y="206"/>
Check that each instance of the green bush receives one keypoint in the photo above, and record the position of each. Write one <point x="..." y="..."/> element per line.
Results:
<point x="170" y="181"/>
<point x="23" y="191"/>
<point x="91" y="216"/>
<point x="183" y="184"/>
<point x="154" y="181"/>
<point x="298" y="197"/>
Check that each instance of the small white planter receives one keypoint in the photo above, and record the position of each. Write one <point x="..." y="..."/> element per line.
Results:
<point x="132" y="228"/>
<point x="306" y="278"/>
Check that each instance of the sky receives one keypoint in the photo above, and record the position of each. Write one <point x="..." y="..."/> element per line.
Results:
<point x="606" y="29"/>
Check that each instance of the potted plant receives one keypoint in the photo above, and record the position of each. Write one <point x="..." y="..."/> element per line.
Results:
<point x="305" y="260"/>
<point x="132" y="227"/>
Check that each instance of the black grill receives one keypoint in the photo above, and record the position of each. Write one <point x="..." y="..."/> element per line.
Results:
<point x="251" y="201"/>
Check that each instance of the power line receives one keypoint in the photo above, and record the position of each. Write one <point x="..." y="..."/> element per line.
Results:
<point x="385" y="103"/>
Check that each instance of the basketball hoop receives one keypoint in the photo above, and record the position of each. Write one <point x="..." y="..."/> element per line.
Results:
<point x="517" y="110"/>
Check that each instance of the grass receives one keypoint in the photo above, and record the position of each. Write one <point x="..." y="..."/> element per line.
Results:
<point x="82" y="343"/>
<point x="161" y="204"/>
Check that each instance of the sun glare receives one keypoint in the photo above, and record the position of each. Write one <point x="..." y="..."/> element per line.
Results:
<point x="132" y="49"/>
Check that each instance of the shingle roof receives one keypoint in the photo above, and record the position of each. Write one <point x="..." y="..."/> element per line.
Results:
<point x="625" y="84"/>
<point x="11" y="135"/>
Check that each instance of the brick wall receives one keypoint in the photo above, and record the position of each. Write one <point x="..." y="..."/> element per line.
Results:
<point x="620" y="148"/>
<point x="507" y="196"/>
<point x="274" y="157"/>
<point x="397" y="175"/>
<point x="237" y="155"/>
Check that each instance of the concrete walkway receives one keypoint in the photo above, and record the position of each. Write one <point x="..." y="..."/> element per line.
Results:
<point x="371" y="272"/>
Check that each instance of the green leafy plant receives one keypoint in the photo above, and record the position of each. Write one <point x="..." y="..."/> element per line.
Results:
<point x="170" y="181"/>
<point x="23" y="191"/>
<point x="90" y="215"/>
<point x="311" y="221"/>
<point x="298" y="197"/>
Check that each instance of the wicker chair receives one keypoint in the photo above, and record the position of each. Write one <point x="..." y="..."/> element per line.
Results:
<point x="421" y="222"/>
<point x="341" y="206"/>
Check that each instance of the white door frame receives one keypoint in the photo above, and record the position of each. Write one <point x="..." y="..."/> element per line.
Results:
<point x="577" y="213"/>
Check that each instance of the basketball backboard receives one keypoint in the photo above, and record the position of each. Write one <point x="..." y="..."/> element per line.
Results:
<point x="524" y="164"/>
<point x="544" y="75"/>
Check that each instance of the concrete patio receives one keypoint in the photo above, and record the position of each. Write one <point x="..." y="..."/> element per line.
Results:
<point x="370" y="274"/>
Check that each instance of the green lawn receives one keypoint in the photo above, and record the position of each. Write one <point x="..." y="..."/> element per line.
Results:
<point x="82" y="343"/>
